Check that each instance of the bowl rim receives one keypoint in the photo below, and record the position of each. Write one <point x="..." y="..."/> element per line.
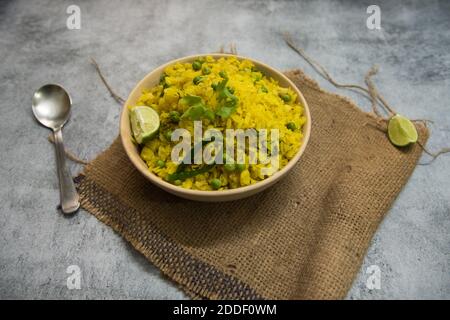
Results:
<point x="133" y="155"/>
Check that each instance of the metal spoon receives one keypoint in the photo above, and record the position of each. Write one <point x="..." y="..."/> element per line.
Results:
<point x="51" y="107"/>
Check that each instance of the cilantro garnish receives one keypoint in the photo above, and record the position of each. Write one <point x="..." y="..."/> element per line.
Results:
<point x="228" y="102"/>
<point x="197" y="108"/>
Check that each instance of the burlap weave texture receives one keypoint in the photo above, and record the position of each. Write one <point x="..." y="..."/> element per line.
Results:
<point x="304" y="238"/>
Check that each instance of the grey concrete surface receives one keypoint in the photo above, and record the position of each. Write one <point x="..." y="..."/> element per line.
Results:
<point x="37" y="244"/>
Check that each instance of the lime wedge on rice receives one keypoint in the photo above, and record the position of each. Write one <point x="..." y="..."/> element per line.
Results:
<point x="401" y="131"/>
<point x="144" y="123"/>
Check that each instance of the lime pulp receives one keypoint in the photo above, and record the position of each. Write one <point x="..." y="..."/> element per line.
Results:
<point x="144" y="123"/>
<point x="401" y="131"/>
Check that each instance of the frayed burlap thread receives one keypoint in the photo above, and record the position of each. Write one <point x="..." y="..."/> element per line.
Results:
<point x="304" y="238"/>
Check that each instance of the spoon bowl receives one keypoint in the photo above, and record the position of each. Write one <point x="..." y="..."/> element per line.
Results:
<point x="51" y="106"/>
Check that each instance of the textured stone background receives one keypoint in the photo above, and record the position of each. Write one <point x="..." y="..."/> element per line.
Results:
<point x="37" y="244"/>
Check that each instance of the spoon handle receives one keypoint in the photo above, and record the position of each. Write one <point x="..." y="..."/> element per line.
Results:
<point x="68" y="194"/>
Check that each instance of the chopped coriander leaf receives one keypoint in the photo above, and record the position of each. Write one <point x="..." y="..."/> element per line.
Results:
<point x="227" y="101"/>
<point x="230" y="167"/>
<point x="209" y="114"/>
<point x="162" y="81"/>
<point x="263" y="89"/>
<point x="162" y="78"/>
<point x="191" y="100"/>
<point x="256" y="76"/>
<point x="223" y="74"/>
<point x="197" y="109"/>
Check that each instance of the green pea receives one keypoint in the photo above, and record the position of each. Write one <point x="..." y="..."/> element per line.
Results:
<point x="206" y="70"/>
<point x="223" y="74"/>
<point x="196" y="65"/>
<point x="291" y="126"/>
<point x="230" y="167"/>
<point x="257" y="76"/>
<point x="215" y="184"/>
<point x="240" y="167"/>
<point x="285" y="97"/>
<point x="174" y="116"/>
<point x="168" y="135"/>
<point x="197" y="80"/>
<point x="162" y="78"/>
<point x="161" y="164"/>
<point x="177" y="182"/>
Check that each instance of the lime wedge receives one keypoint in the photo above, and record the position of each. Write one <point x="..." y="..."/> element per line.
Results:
<point x="144" y="123"/>
<point x="401" y="131"/>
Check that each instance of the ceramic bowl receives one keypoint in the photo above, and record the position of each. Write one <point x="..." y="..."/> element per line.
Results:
<point x="151" y="80"/>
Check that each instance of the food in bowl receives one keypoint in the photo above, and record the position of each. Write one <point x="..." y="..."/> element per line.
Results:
<point x="220" y="94"/>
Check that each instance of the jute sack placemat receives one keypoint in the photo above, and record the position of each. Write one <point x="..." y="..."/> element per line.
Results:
<point x="304" y="238"/>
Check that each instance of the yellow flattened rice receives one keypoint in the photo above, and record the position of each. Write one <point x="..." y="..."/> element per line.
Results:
<point x="256" y="101"/>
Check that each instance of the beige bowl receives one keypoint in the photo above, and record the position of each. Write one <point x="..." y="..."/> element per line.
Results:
<point x="151" y="80"/>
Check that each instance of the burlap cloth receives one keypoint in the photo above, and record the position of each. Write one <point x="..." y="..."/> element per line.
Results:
<point x="304" y="238"/>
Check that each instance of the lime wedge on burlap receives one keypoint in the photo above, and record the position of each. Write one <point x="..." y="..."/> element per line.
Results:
<point x="144" y="123"/>
<point x="401" y="131"/>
